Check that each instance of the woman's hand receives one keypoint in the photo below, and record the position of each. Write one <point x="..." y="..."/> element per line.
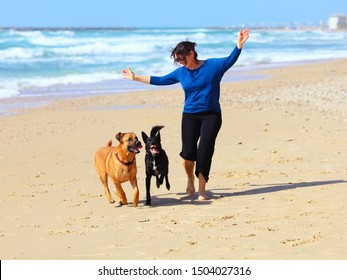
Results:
<point x="128" y="74"/>
<point x="131" y="76"/>
<point x="242" y="38"/>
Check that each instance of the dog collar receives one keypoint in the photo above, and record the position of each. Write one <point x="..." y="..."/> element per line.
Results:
<point x="123" y="162"/>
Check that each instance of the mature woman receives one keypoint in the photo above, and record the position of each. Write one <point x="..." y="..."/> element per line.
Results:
<point x="202" y="117"/>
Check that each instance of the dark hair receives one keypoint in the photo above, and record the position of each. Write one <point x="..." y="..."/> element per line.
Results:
<point x="182" y="50"/>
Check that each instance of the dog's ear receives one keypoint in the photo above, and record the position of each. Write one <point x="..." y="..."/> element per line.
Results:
<point x="158" y="136"/>
<point x="119" y="136"/>
<point x="144" y="137"/>
<point x="155" y="129"/>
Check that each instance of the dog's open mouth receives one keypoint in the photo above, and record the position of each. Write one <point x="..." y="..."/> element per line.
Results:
<point x="154" y="150"/>
<point x="134" y="149"/>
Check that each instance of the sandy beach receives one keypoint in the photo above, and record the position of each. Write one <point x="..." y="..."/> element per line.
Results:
<point x="278" y="181"/>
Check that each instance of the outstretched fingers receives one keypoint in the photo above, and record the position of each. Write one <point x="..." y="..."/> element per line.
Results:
<point x="127" y="73"/>
<point x="242" y="38"/>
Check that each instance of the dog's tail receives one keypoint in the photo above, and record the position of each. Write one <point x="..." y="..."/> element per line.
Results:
<point x="155" y="129"/>
<point x="109" y="143"/>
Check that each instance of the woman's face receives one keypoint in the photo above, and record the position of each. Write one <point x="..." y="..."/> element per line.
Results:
<point x="185" y="60"/>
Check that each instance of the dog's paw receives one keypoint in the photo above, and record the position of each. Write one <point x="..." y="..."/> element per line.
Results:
<point x="148" y="203"/>
<point x="168" y="187"/>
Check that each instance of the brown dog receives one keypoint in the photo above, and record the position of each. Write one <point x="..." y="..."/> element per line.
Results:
<point x="119" y="163"/>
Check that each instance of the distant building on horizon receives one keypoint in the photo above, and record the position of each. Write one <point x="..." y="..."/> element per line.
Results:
<point x="337" y="22"/>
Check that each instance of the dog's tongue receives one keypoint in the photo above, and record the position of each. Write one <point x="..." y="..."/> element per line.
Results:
<point x="136" y="149"/>
<point x="154" y="151"/>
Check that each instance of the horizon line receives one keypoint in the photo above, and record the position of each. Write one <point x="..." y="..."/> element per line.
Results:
<point x="236" y="26"/>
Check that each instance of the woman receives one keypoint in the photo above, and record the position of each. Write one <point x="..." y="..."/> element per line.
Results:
<point x="202" y="117"/>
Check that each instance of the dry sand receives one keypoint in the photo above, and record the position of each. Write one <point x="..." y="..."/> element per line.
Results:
<point x="278" y="181"/>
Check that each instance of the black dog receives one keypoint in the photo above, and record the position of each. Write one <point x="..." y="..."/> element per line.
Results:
<point x="156" y="160"/>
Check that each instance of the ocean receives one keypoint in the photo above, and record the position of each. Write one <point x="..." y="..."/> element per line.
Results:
<point x="75" y="62"/>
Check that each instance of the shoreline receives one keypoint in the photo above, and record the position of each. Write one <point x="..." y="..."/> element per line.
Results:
<point x="278" y="179"/>
<point x="18" y="104"/>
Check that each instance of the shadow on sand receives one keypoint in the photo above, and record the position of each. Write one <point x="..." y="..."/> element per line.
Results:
<point x="165" y="200"/>
<point x="279" y="187"/>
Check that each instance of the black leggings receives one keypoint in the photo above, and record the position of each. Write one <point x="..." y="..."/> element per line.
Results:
<point x="206" y="127"/>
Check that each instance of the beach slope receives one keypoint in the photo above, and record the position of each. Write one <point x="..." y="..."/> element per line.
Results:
<point x="278" y="180"/>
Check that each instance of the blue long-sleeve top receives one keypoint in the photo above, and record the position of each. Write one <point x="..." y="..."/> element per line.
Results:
<point x="202" y="85"/>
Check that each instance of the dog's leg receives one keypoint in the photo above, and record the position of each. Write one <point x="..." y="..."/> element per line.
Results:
<point x="104" y="181"/>
<point x="119" y="197"/>
<point x="148" y="188"/>
<point x="120" y="193"/>
<point x="159" y="181"/>
<point x="167" y="182"/>
<point x="133" y="182"/>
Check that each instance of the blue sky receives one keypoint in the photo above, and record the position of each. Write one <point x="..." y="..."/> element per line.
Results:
<point x="161" y="13"/>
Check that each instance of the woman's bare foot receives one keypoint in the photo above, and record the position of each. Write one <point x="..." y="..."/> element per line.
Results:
<point x="203" y="197"/>
<point x="190" y="190"/>
<point x="202" y="185"/>
<point x="189" y="168"/>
